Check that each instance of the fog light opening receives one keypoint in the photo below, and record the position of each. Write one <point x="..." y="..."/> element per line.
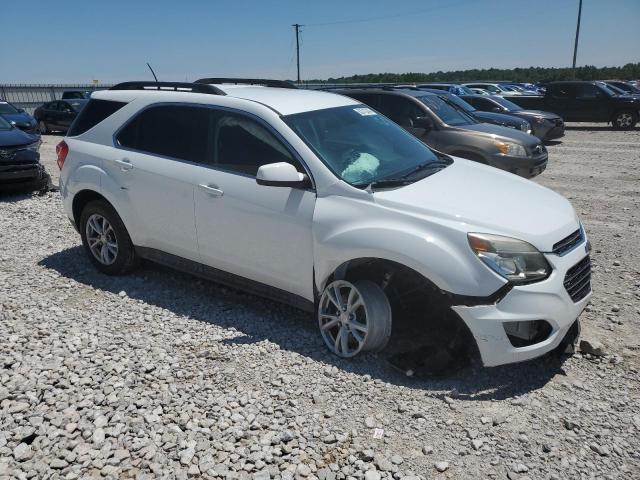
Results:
<point x="530" y="332"/>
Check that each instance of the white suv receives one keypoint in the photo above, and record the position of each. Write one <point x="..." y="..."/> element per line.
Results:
<point x="316" y="200"/>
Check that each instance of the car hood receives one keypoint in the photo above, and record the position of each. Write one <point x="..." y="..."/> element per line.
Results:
<point x="18" y="118"/>
<point x="536" y="113"/>
<point x="504" y="133"/>
<point x="15" y="137"/>
<point x="476" y="198"/>
<point x="499" y="117"/>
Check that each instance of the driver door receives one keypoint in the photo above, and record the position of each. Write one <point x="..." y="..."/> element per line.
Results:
<point x="260" y="233"/>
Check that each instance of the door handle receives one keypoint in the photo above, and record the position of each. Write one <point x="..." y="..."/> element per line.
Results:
<point x="125" y="164"/>
<point x="211" y="190"/>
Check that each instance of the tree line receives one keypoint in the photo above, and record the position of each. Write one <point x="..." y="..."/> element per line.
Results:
<point x="630" y="71"/>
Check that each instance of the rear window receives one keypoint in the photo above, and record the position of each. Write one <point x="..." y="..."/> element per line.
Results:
<point x="92" y="114"/>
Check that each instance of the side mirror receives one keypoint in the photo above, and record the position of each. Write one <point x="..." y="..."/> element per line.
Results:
<point x="281" y="174"/>
<point x="21" y="110"/>
<point x="496" y="110"/>
<point x="423" y="122"/>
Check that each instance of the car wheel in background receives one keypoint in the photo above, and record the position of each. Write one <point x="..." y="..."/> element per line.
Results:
<point x="354" y="317"/>
<point x="43" y="127"/>
<point x="625" y="120"/>
<point x="106" y="239"/>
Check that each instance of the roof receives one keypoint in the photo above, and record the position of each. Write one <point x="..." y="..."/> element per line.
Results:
<point x="411" y="92"/>
<point x="285" y="101"/>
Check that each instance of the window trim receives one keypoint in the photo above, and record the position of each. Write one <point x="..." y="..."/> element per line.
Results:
<point x="270" y="129"/>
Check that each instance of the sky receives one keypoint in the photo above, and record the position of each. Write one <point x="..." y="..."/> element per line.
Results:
<point x="77" y="41"/>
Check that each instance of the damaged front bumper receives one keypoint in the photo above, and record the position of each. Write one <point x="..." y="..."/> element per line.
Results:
<point x="531" y="320"/>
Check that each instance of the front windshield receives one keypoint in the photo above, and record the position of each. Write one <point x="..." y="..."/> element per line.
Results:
<point x="461" y="90"/>
<point x="359" y="145"/>
<point x="512" y="107"/>
<point x="446" y="112"/>
<point x="6" y="108"/>
<point x="4" y="125"/>
<point x="610" y="89"/>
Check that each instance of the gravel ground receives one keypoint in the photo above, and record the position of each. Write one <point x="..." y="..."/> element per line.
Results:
<point x="161" y="375"/>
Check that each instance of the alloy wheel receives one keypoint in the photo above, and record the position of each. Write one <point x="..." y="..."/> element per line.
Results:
<point x="101" y="239"/>
<point x="624" y="120"/>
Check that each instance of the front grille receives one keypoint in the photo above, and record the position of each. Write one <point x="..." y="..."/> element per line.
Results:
<point x="577" y="281"/>
<point x="569" y="243"/>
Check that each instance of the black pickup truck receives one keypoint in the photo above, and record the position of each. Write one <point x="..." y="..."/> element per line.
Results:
<point x="585" y="102"/>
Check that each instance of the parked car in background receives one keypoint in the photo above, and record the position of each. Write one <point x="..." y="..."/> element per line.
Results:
<point x="19" y="118"/>
<point x="75" y="95"/>
<point x="58" y="115"/>
<point x="450" y="130"/>
<point x="501" y="119"/>
<point x="545" y="125"/>
<point x="494" y="88"/>
<point x="582" y="101"/>
<point x="317" y="200"/>
<point x="480" y="91"/>
<point x="521" y="88"/>
<point x="20" y="167"/>
<point x="626" y="87"/>
<point x="448" y="87"/>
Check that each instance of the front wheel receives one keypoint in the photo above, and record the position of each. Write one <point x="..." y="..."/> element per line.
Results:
<point x="106" y="239"/>
<point x="354" y="317"/>
<point x="625" y="120"/>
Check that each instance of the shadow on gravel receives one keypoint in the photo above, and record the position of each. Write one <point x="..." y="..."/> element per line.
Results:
<point x="258" y="320"/>
<point x="15" y="195"/>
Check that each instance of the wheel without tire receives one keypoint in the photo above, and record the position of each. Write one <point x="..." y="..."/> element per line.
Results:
<point x="354" y="317"/>
<point x="43" y="127"/>
<point x="106" y="239"/>
<point x="625" y="120"/>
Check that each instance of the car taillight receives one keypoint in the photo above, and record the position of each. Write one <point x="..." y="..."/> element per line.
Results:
<point x="62" y="149"/>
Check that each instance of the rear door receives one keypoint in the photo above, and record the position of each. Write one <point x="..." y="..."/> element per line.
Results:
<point x="155" y="168"/>
<point x="51" y="114"/>
<point x="561" y="99"/>
<point x="66" y="115"/>
<point x="261" y="233"/>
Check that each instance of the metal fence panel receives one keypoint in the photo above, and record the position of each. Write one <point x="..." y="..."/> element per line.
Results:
<point x="29" y="97"/>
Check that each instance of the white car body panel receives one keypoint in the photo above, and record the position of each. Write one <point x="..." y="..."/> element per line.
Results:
<point x="294" y="239"/>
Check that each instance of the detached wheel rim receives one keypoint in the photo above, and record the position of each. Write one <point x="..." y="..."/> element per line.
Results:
<point x="101" y="238"/>
<point x="343" y="319"/>
<point x="624" y="120"/>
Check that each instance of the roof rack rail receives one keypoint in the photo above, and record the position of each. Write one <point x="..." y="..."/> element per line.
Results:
<point x="248" y="81"/>
<point x="169" y="86"/>
<point x="359" y="87"/>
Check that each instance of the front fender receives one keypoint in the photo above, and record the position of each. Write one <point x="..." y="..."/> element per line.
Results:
<point x="346" y="229"/>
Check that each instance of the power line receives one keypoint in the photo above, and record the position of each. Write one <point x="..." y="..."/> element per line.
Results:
<point x="575" y="46"/>
<point x="297" y="29"/>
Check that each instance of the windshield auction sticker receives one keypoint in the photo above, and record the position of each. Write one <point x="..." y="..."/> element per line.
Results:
<point x="364" y="111"/>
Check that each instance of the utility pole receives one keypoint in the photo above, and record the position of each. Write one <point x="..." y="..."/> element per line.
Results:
<point x="575" y="47"/>
<point x="297" y="27"/>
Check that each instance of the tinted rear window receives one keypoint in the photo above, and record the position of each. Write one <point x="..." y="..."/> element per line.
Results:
<point x="174" y="131"/>
<point x="92" y="114"/>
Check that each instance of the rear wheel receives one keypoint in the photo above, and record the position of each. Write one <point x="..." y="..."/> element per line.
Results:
<point x="625" y="120"/>
<point x="43" y="127"/>
<point x="106" y="239"/>
<point x="354" y="317"/>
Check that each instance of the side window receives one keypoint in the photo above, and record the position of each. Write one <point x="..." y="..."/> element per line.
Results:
<point x="92" y="114"/>
<point x="563" y="91"/>
<point x="587" y="90"/>
<point x="401" y="110"/>
<point x="52" y="106"/>
<point x="242" y="145"/>
<point x="64" y="107"/>
<point x="175" y="131"/>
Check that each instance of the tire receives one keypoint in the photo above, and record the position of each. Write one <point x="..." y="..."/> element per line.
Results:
<point x="107" y="259"/>
<point x="625" y="120"/>
<point x="354" y="317"/>
<point x="43" y="127"/>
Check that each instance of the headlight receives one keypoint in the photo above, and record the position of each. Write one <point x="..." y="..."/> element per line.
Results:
<point x="33" y="146"/>
<point x="525" y="127"/>
<point x="516" y="260"/>
<point x="540" y="120"/>
<point x="512" y="149"/>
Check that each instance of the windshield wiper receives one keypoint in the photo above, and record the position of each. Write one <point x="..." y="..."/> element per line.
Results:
<point x="437" y="165"/>
<point x="384" y="183"/>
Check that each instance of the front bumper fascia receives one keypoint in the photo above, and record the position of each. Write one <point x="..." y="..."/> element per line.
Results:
<point x="546" y="300"/>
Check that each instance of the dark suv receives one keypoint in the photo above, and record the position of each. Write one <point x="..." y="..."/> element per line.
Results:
<point x="452" y="131"/>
